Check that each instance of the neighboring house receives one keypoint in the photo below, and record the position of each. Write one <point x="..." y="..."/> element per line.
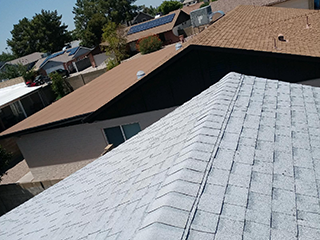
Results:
<point x="73" y="59"/>
<point x="238" y="161"/>
<point x="28" y="60"/>
<point x="141" y="17"/>
<point x="161" y="26"/>
<point x="18" y="102"/>
<point x="75" y="129"/>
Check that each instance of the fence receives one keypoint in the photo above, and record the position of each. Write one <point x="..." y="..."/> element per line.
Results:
<point x="12" y="195"/>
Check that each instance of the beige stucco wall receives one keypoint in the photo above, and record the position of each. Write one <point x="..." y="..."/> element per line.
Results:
<point x="59" y="152"/>
<point x="301" y="4"/>
<point x="11" y="82"/>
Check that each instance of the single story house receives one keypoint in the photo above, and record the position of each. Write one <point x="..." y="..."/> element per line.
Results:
<point x="238" y="161"/>
<point x="161" y="26"/>
<point x="28" y="60"/>
<point x="76" y="129"/>
<point x="72" y="59"/>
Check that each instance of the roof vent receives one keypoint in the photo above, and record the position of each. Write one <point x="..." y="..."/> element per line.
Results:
<point x="281" y="38"/>
<point x="178" y="46"/>
<point x="140" y="74"/>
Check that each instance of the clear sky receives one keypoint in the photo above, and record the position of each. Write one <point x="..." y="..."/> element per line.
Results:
<point x="11" y="11"/>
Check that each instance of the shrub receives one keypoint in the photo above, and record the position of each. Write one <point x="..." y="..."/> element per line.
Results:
<point x="5" y="157"/>
<point x="149" y="44"/>
<point x="204" y="4"/>
<point x="111" y="64"/>
<point x="59" y="86"/>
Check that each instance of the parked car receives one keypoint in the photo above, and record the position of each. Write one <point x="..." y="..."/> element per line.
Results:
<point x="62" y="72"/>
<point x="39" y="80"/>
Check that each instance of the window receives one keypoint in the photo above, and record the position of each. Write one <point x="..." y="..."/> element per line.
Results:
<point x="117" y="135"/>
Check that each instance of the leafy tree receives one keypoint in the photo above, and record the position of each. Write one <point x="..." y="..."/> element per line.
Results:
<point x="59" y="85"/>
<point x="114" y="36"/>
<point x="5" y="157"/>
<point x="149" y="44"/>
<point x="204" y="4"/>
<point x="6" y="57"/>
<point x="153" y="11"/>
<point x="117" y="11"/>
<point x="43" y="33"/>
<point x="169" y="6"/>
<point x="92" y="34"/>
<point x="14" y="71"/>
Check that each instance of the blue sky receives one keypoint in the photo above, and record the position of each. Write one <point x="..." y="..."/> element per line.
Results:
<point x="11" y="11"/>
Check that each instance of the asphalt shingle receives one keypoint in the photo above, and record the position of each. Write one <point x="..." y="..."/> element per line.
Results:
<point x="238" y="161"/>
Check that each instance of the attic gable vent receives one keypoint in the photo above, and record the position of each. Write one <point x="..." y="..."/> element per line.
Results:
<point x="140" y="74"/>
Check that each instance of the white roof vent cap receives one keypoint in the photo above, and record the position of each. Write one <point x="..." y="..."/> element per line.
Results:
<point x="140" y="74"/>
<point x="178" y="46"/>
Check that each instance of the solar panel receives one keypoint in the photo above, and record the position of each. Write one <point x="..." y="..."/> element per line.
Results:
<point x="72" y="51"/>
<point x="151" y="24"/>
<point x="51" y="56"/>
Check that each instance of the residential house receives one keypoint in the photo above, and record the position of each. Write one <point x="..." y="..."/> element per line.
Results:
<point x="17" y="102"/>
<point x="73" y="59"/>
<point x="28" y="60"/>
<point x="161" y="26"/>
<point x="238" y="161"/>
<point x="76" y="129"/>
<point x="141" y="17"/>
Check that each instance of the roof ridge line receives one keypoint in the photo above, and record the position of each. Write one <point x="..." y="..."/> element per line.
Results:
<point x="210" y="162"/>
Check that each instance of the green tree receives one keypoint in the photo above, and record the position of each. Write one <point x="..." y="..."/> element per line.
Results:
<point x="169" y="6"/>
<point x="204" y="4"/>
<point x="114" y="37"/>
<point x="92" y="34"/>
<point x="6" y="57"/>
<point x="59" y="85"/>
<point x="117" y="11"/>
<point x="5" y="157"/>
<point x="150" y="10"/>
<point x="149" y="44"/>
<point x="43" y="33"/>
<point x="14" y="71"/>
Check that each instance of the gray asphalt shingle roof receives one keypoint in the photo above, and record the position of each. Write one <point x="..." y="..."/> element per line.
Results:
<point x="239" y="161"/>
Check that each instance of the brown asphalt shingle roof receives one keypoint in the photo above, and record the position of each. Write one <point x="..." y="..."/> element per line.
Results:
<point x="228" y="5"/>
<point x="246" y="27"/>
<point x="97" y="93"/>
<point x="255" y="28"/>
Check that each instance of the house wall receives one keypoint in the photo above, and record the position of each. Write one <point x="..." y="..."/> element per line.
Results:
<point x="11" y="82"/>
<point x="59" y="152"/>
<point x="301" y="4"/>
<point x="52" y="66"/>
<point x="170" y="37"/>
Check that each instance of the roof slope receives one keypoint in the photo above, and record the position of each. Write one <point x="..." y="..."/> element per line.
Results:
<point x="104" y="89"/>
<point x="156" y="30"/>
<point x="257" y="28"/>
<point x="239" y="160"/>
<point x="27" y="59"/>
<point x="228" y="5"/>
